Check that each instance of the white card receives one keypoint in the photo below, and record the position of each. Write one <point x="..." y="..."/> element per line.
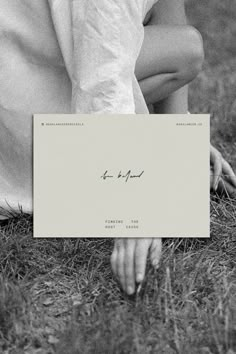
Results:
<point x="121" y="175"/>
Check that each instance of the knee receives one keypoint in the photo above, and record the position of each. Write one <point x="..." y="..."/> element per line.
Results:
<point x="194" y="54"/>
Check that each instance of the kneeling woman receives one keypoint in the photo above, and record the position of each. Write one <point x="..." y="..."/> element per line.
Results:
<point x="94" y="56"/>
<point x="171" y="56"/>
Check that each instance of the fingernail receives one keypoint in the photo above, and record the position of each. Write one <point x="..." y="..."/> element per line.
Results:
<point x="216" y="184"/>
<point x="139" y="288"/>
<point x="155" y="264"/>
<point x="139" y="277"/>
<point x="130" y="290"/>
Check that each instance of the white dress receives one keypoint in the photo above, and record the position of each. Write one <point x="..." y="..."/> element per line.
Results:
<point x="62" y="56"/>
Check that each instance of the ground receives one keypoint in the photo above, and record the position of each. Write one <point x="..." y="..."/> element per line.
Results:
<point x="59" y="296"/>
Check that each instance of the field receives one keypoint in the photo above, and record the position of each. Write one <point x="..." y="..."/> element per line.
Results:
<point x="59" y="296"/>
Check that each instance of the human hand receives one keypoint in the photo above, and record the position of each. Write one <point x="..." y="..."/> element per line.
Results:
<point x="222" y="174"/>
<point x="128" y="260"/>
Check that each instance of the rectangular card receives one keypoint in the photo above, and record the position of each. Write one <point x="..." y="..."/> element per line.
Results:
<point x="121" y="175"/>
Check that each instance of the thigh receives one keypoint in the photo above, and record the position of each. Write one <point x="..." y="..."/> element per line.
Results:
<point x="164" y="48"/>
<point x="164" y="40"/>
<point x="168" y="12"/>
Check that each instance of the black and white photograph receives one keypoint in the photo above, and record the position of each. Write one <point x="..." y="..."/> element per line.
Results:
<point x="72" y="295"/>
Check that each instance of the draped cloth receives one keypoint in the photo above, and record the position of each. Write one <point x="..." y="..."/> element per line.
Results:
<point x="62" y="56"/>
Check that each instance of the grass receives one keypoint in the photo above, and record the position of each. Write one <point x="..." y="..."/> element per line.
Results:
<point x="59" y="296"/>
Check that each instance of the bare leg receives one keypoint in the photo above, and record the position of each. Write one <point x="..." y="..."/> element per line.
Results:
<point x="171" y="57"/>
<point x="171" y="12"/>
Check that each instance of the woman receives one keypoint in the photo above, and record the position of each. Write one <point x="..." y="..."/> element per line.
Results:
<point x="94" y="56"/>
<point x="171" y="57"/>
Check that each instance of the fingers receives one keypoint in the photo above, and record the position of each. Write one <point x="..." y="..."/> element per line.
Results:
<point x="117" y="261"/>
<point x="226" y="187"/>
<point x="155" y="252"/>
<point x="211" y="179"/>
<point x="120" y="267"/>
<point x="216" y="161"/>
<point x="229" y="173"/>
<point x="141" y="253"/>
<point x="222" y="175"/>
<point x="122" y="263"/>
<point x="129" y="257"/>
<point x="129" y="266"/>
<point x="114" y="256"/>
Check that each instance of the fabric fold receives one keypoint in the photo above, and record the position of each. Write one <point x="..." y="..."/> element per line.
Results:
<point x="62" y="56"/>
